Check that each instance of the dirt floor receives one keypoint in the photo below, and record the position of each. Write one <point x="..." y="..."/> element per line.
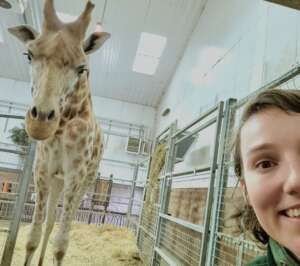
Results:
<point x="89" y="246"/>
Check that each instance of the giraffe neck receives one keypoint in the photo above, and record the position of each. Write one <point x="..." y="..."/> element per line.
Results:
<point x="77" y="104"/>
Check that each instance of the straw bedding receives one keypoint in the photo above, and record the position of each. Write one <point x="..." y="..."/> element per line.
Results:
<point x="89" y="246"/>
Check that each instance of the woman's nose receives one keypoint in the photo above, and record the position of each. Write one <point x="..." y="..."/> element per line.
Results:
<point x="292" y="182"/>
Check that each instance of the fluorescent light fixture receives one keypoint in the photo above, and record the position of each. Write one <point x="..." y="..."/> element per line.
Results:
<point x="145" y="64"/>
<point x="150" y="49"/>
<point x="151" y="44"/>
<point x="66" y="17"/>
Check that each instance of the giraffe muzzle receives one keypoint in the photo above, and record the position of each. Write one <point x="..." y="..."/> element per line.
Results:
<point x="41" y="126"/>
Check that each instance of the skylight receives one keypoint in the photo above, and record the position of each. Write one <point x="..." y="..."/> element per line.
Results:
<point x="150" y="49"/>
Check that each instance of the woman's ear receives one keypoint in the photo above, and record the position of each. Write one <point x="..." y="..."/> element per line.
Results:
<point x="242" y="183"/>
<point x="244" y="191"/>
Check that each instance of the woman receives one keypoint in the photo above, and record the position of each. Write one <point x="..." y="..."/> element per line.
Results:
<point x="267" y="161"/>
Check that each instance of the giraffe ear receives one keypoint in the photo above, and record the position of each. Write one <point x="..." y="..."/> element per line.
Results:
<point x="24" y="33"/>
<point x="5" y="4"/>
<point x="95" y="41"/>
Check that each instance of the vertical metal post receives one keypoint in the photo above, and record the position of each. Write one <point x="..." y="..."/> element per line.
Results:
<point x="165" y="186"/>
<point x="221" y="177"/>
<point x="133" y="185"/>
<point x="107" y="197"/>
<point x="209" y="200"/>
<point x="19" y="207"/>
<point x="143" y="199"/>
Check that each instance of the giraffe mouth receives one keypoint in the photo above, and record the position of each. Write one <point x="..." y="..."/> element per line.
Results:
<point x="40" y="130"/>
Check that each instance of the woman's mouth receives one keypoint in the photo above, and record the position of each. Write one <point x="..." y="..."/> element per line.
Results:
<point x="292" y="213"/>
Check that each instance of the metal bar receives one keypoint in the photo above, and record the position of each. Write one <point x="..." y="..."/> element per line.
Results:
<point x="144" y="160"/>
<point x="133" y="186"/>
<point x="205" y="235"/>
<point x="164" y="187"/>
<point x="143" y="200"/>
<point x="19" y="207"/>
<point x="12" y="151"/>
<point x="12" y="116"/>
<point x="115" y="133"/>
<point x="206" y="114"/>
<point x="6" y="121"/>
<point x="15" y="105"/>
<point x="202" y="127"/>
<point x="163" y="132"/>
<point x="194" y="227"/>
<point x="4" y="169"/>
<point x="194" y="171"/>
<point x="222" y="173"/>
<point x="118" y="161"/>
<point x="165" y="257"/>
<point x="273" y="84"/>
<point x="147" y="232"/>
<point x="125" y="124"/>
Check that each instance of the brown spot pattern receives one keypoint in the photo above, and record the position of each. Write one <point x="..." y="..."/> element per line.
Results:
<point x="76" y="162"/>
<point x="59" y="255"/>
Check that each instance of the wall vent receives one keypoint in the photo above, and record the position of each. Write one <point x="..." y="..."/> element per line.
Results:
<point x="133" y="145"/>
<point x="145" y="147"/>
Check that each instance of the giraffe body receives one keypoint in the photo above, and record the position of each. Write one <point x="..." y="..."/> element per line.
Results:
<point x="61" y="117"/>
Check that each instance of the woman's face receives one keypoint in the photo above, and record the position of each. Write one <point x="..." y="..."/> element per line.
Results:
<point x="270" y="149"/>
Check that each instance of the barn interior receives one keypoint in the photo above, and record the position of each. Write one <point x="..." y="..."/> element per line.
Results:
<point x="167" y="88"/>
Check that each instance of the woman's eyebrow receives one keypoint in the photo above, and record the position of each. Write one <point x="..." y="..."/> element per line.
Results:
<point x="259" y="147"/>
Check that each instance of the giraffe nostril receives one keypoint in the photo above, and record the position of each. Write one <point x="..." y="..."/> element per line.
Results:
<point x="34" y="112"/>
<point x="51" y="115"/>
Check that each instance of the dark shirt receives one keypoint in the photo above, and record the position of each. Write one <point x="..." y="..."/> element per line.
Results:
<point x="276" y="256"/>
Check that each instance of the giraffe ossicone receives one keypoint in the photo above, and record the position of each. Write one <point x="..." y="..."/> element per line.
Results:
<point x="61" y="118"/>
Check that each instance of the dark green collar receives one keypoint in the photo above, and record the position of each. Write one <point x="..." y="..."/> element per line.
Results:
<point x="281" y="255"/>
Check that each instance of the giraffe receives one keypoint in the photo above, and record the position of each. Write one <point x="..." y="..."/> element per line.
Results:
<point x="61" y="119"/>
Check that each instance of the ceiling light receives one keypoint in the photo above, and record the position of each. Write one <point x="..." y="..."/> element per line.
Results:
<point x="145" y="64"/>
<point x="149" y="51"/>
<point x="151" y="44"/>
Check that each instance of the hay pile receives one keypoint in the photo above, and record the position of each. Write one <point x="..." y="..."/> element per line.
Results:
<point x="89" y="246"/>
<point x="157" y="164"/>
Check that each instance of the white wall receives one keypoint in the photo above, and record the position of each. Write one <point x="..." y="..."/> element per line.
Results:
<point x="237" y="47"/>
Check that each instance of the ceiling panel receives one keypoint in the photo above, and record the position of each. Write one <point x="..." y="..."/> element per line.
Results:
<point x="111" y="67"/>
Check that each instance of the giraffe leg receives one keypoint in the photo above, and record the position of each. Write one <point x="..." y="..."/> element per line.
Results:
<point x="73" y="193"/>
<point x="54" y="194"/>
<point x="35" y="232"/>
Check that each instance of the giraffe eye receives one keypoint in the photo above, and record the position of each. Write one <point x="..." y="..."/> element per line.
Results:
<point x="81" y="69"/>
<point x="29" y="56"/>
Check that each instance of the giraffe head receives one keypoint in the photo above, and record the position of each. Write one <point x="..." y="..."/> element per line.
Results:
<point x="58" y="61"/>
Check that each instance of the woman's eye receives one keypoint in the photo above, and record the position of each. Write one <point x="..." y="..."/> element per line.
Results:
<point x="265" y="164"/>
<point x="29" y="56"/>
